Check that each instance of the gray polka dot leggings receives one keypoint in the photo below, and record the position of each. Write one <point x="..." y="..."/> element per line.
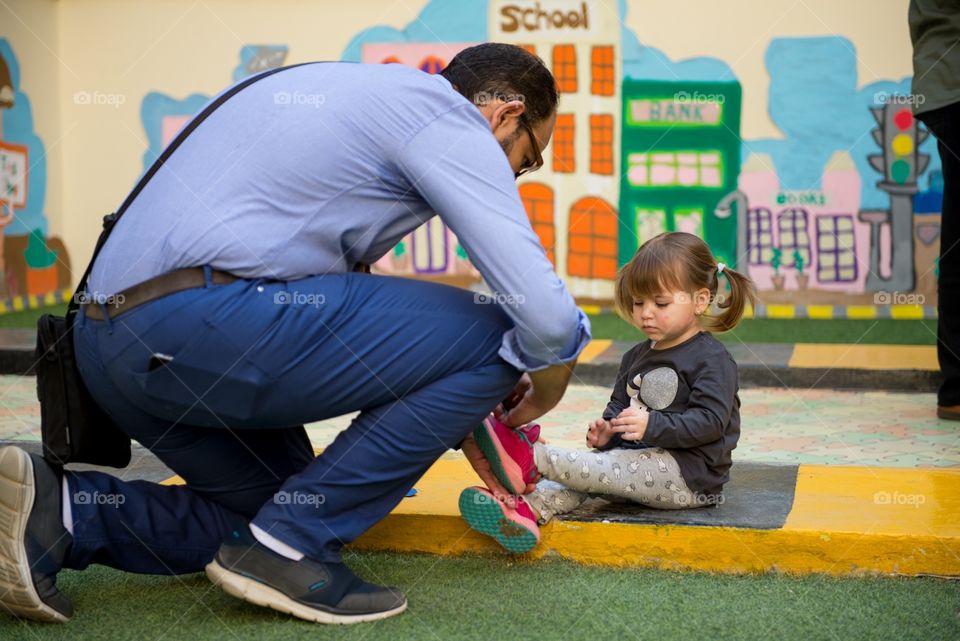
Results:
<point x="648" y="476"/>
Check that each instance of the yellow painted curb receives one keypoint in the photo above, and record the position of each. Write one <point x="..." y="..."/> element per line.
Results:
<point x="844" y="520"/>
<point x="781" y="311"/>
<point x="882" y="357"/>
<point x="861" y="311"/>
<point x="593" y="349"/>
<point x="820" y="311"/>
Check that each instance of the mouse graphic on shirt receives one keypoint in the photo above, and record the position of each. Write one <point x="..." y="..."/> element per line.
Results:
<point x="655" y="390"/>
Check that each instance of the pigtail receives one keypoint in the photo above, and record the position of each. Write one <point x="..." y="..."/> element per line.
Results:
<point x="741" y="292"/>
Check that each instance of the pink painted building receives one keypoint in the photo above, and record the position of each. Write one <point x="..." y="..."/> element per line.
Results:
<point x="817" y="229"/>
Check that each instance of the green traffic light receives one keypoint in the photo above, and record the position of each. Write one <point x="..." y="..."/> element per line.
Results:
<point x="900" y="171"/>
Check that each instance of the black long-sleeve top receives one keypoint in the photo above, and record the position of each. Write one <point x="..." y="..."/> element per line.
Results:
<point x="690" y="390"/>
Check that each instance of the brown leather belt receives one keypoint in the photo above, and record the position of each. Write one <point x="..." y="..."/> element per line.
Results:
<point x="162" y="285"/>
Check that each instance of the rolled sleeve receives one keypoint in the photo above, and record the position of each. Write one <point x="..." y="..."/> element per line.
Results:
<point x="458" y="167"/>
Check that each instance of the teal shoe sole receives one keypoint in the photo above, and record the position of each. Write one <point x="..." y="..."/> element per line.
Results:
<point x="493" y="456"/>
<point x="484" y="514"/>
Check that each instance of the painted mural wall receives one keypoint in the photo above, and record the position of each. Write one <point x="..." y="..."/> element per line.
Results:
<point x="645" y="145"/>
<point x="31" y="262"/>
<point x="822" y="187"/>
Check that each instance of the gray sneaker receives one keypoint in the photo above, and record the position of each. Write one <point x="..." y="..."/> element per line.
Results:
<point x="308" y="589"/>
<point x="33" y="541"/>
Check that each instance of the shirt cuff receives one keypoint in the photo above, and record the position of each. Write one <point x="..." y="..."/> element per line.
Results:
<point x="510" y="348"/>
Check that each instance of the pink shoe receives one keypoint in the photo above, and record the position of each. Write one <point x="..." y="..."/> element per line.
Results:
<point x="514" y="529"/>
<point x="510" y="453"/>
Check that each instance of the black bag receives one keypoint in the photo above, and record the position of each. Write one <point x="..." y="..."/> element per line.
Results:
<point x="74" y="429"/>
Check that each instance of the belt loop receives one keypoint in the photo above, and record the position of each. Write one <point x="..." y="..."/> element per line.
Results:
<point x="106" y="316"/>
<point x="207" y="276"/>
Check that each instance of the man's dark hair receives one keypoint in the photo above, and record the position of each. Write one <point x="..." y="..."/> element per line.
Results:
<point x="494" y="71"/>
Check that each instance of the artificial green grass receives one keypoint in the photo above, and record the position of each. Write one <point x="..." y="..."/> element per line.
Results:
<point x="881" y="331"/>
<point x="494" y="598"/>
<point x="28" y="317"/>
<point x="759" y="330"/>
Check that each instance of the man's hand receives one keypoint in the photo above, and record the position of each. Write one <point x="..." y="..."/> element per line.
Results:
<point x="481" y="466"/>
<point x="513" y="398"/>
<point x="599" y="433"/>
<point x="631" y="424"/>
<point x="542" y="395"/>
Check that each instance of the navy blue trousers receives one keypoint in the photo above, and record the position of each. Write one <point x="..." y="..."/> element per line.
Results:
<point x="218" y="381"/>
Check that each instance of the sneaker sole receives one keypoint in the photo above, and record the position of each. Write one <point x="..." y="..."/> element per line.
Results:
<point x="502" y="464"/>
<point x="18" y="595"/>
<point x="261" y="594"/>
<point x="485" y="514"/>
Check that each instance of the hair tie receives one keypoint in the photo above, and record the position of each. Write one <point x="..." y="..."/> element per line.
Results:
<point x="720" y="268"/>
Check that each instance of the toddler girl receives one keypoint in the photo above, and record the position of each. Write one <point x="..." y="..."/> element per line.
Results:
<point x="666" y="436"/>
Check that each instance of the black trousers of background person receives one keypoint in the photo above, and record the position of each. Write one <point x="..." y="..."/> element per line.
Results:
<point x="945" y="125"/>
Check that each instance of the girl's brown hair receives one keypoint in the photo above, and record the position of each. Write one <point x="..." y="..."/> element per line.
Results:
<point x="678" y="261"/>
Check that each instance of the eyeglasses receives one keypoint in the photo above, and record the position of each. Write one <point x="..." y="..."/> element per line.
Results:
<point x="538" y="158"/>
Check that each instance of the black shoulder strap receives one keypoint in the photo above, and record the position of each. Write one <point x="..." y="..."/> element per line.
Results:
<point x="110" y="220"/>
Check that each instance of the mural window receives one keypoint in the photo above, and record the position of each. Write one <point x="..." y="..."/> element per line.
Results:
<point x="793" y="236"/>
<point x="689" y="220"/>
<point x="538" y="201"/>
<point x="601" y="144"/>
<point x="529" y="48"/>
<point x="430" y="247"/>
<point x="650" y="222"/>
<point x="431" y="64"/>
<point x="602" y="71"/>
<point x="593" y="239"/>
<point x="565" y="68"/>
<point x="390" y="60"/>
<point x="564" y="150"/>
<point x="760" y="236"/>
<point x="675" y="169"/>
<point x="836" y="254"/>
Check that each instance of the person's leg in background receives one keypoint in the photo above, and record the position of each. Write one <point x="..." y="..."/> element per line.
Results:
<point x="945" y="125"/>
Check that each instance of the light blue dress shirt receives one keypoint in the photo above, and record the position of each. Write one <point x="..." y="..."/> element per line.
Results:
<point x="321" y="167"/>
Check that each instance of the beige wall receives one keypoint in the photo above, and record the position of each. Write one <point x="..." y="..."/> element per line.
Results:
<point x="738" y="32"/>
<point x="120" y="50"/>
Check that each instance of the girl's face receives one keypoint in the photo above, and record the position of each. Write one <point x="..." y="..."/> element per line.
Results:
<point x="670" y="317"/>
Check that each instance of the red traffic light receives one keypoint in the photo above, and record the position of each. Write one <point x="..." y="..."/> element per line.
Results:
<point x="903" y="119"/>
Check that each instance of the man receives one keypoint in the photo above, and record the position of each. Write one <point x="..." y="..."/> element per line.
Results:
<point x="935" y="32"/>
<point x="279" y="196"/>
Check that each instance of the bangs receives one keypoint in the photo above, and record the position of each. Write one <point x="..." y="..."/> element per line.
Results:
<point x="656" y="268"/>
<point x="652" y="273"/>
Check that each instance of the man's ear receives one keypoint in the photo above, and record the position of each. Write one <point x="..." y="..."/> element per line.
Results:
<point x="505" y="114"/>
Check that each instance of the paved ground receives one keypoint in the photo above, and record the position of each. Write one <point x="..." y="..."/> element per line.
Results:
<point x="778" y="426"/>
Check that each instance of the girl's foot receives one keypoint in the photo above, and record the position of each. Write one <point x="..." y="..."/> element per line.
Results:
<point x="510" y="453"/>
<point x="514" y="529"/>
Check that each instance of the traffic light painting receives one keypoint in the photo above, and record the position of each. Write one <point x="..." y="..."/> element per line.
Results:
<point x="899" y="136"/>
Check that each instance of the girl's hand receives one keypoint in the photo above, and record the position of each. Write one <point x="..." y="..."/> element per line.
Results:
<point x="631" y="424"/>
<point x="599" y="433"/>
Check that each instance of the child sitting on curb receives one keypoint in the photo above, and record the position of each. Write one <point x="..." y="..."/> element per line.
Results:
<point x="666" y="437"/>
